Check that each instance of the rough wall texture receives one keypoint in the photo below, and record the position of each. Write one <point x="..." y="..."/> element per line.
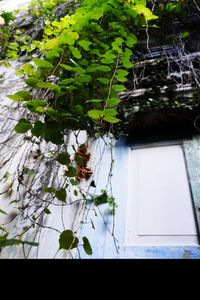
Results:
<point x="25" y="191"/>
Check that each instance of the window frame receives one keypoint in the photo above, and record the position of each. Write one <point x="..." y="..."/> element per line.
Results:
<point x="102" y="241"/>
<point x="176" y="142"/>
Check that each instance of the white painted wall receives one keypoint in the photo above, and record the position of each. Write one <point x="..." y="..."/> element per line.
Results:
<point x="9" y="5"/>
<point x="16" y="153"/>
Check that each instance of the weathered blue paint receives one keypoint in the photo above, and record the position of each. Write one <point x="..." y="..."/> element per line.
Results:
<point x="102" y="241"/>
<point x="192" y="154"/>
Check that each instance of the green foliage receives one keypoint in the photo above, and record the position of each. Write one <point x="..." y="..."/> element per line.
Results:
<point x="146" y="12"/>
<point x="63" y="158"/>
<point x="87" y="246"/>
<point x="28" y="69"/>
<point x="49" y="190"/>
<point x="4" y="242"/>
<point x="184" y="35"/>
<point x="43" y="64"/>
<point x="28" y="171"/>
<point x="67" y="240"/>
<point x="89" y="53"/>
<point x="104" y="198"/>
<point x="74" y="72"/>
<point x="20" y="96"/>
<point x="7" y="16"/>
<point x="61" y="195"/>
<point x="23" y="126"/>
<point x="175" y="7"/>
<point x="71" y="172"/>
<point x="47" y="211"/>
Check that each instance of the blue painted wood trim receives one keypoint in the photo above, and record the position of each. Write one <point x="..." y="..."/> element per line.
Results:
<point x="192" y="154"/>
<point x="102" y="241"/>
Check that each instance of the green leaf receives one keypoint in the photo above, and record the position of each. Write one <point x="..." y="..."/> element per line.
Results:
<point x="23" y="126"/>
<point x="49" y="190"/>
<point x="7" y="16"/>
<point x="53" y="132"/>
<point x="68" y="37"/>
<point x="47" y="85"/>
<point x="74" y="35"/>
<point x="103" y="80"/>
<point x="67" y="240"/>
<point x="131" y="41"/>
<point x="184" y="35"/>
<point x="101" y="199"/>
<point x="47" y="211"/>
<point x="71" y="172"/>
<point x="110" y="112"/>
<point x="25" y="95"/>
<point x="121" y="75"/>
<point x="19" y="72"/>
<point x="5" y="63"/>
<point x="100" y="68"/>
<point x="79" y="160"/>
<point x="75" y="193"/>
<point x="84" y="78"/>
<point x="67" y="81"/>
<point x="20" y="96"/>
<point x="142" y="9"/>
<point x="85" y="44"/>
<point x="32" y="82"/>
<point x="125" y="59"/>
<point x="118" y="88"/>
<point x="51" y="54"/>
<point x="63" y="158"/>
<point x="79" y="70"/>
<point x="73" y="182"/>
<point x="113" y="101"/>
<point x="79" y="109"/>
<point x="111" y="119"/>
<point x="43" y="64"/>
<point x="15" y="98"/>
<point x="95" y="114"/>
<point x="38" y="129"/>
<point x="34" y="104"/>
<point x="87" y="246"/>
<point x="48" y="31"/>
<point x="116" y="45"/>
<point x="28" y="171"/>
<point x="65" y="38"/>
<point x="66" y="67"/>
<point x="173" y="7"/>
<point x="126" y="63"/>
<point x="28" y="69"/>
<point x="109" y="57"/>
<point x="75" y="52"/>
<point x="61" y="195"/>
<point x="110" y="115"/>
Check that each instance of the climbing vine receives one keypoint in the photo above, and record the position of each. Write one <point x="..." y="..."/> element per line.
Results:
<point x="74" y="69"/>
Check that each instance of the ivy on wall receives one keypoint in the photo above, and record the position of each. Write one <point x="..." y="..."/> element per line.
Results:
<point x="74" y="71"/>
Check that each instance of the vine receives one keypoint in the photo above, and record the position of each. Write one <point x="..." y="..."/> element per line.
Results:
<point x="74" y="70"/>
